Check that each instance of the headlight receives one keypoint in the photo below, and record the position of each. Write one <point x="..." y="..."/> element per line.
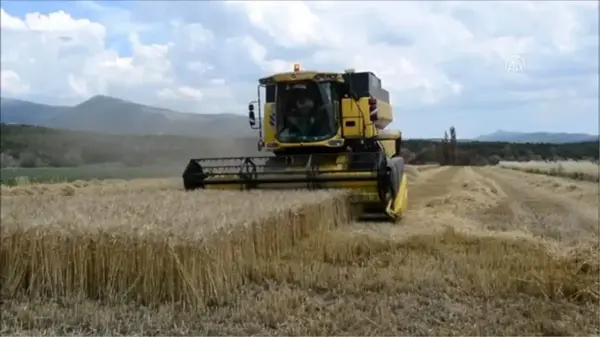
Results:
<point x="335" y="142"/>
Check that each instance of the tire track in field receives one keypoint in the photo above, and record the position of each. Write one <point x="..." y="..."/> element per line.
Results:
<point x="432" y="184"/>
<point x="428" y="186"/>
<point x="503" y="216"/>
<point x="537" y="210"/>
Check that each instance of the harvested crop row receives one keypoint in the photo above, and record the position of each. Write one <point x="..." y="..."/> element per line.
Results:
<point x="587" y="171"/>
<point x="194" y="248"/>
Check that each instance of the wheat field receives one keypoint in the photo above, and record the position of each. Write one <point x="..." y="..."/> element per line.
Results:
<point x="579" y="170"/>
<point x="481" y="251"/>
<point x="152" y="246"/>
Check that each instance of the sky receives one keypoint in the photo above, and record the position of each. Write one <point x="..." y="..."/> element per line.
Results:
<point x="480" y="66"/>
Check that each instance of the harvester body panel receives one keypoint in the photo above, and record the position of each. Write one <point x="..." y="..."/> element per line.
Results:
<point x="269" y="123"/>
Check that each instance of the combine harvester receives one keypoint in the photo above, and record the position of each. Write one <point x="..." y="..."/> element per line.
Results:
<point x="326" y="130"/>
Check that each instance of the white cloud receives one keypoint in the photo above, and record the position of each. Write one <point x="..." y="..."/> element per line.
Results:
<point x="68" y="58"/>
<point x="10" y="82"/>
<point x="258" y="54"/>
<point x="78" y="85"/>
<point x="443" y="62"/>
<point x="199" y="67"/>
<point x="291" y="24"/>
<point x="9" y="22"/>
<point x="181" y="93"/>
<point x="192" y="36"/>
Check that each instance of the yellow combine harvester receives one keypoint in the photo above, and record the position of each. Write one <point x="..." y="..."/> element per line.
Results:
<point x="325" y="130"/>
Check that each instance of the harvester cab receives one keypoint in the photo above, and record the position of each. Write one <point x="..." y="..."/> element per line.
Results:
<point x="322" y="130"/>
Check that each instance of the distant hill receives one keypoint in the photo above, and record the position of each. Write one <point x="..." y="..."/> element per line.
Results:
<point x="111" y="115"/>
<point x="16" y="111"/>
<point x="537" y="137"/>
<point x="36" y="146"/>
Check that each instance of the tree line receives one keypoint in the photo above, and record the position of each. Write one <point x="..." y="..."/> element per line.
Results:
<point x="33" y="146"/>
<point x="449" y="151"/>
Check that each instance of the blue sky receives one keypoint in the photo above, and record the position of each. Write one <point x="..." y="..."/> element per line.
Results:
<point x="445" y="63"/>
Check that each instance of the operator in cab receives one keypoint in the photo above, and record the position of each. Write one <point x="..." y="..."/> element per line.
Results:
<point x="303" y="116"/>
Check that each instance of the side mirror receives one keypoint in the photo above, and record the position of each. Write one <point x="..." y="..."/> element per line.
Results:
<point x="251" y="117"/>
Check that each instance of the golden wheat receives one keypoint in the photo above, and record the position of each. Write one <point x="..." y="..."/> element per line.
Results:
<point x="90" y="187"/>
<point x="170" y="246"/>
<point x="475" y="255"/>
<point x="579" y="170"/>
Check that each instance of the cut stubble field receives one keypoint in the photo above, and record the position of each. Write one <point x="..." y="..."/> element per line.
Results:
<point x="578" y="170"/>
<point x="481" y="251"/>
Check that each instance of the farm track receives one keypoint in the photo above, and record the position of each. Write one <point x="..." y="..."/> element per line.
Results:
<point x="481" y="251"/>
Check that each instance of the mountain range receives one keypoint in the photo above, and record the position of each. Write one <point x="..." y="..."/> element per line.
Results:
<point x="109" y="115"/>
